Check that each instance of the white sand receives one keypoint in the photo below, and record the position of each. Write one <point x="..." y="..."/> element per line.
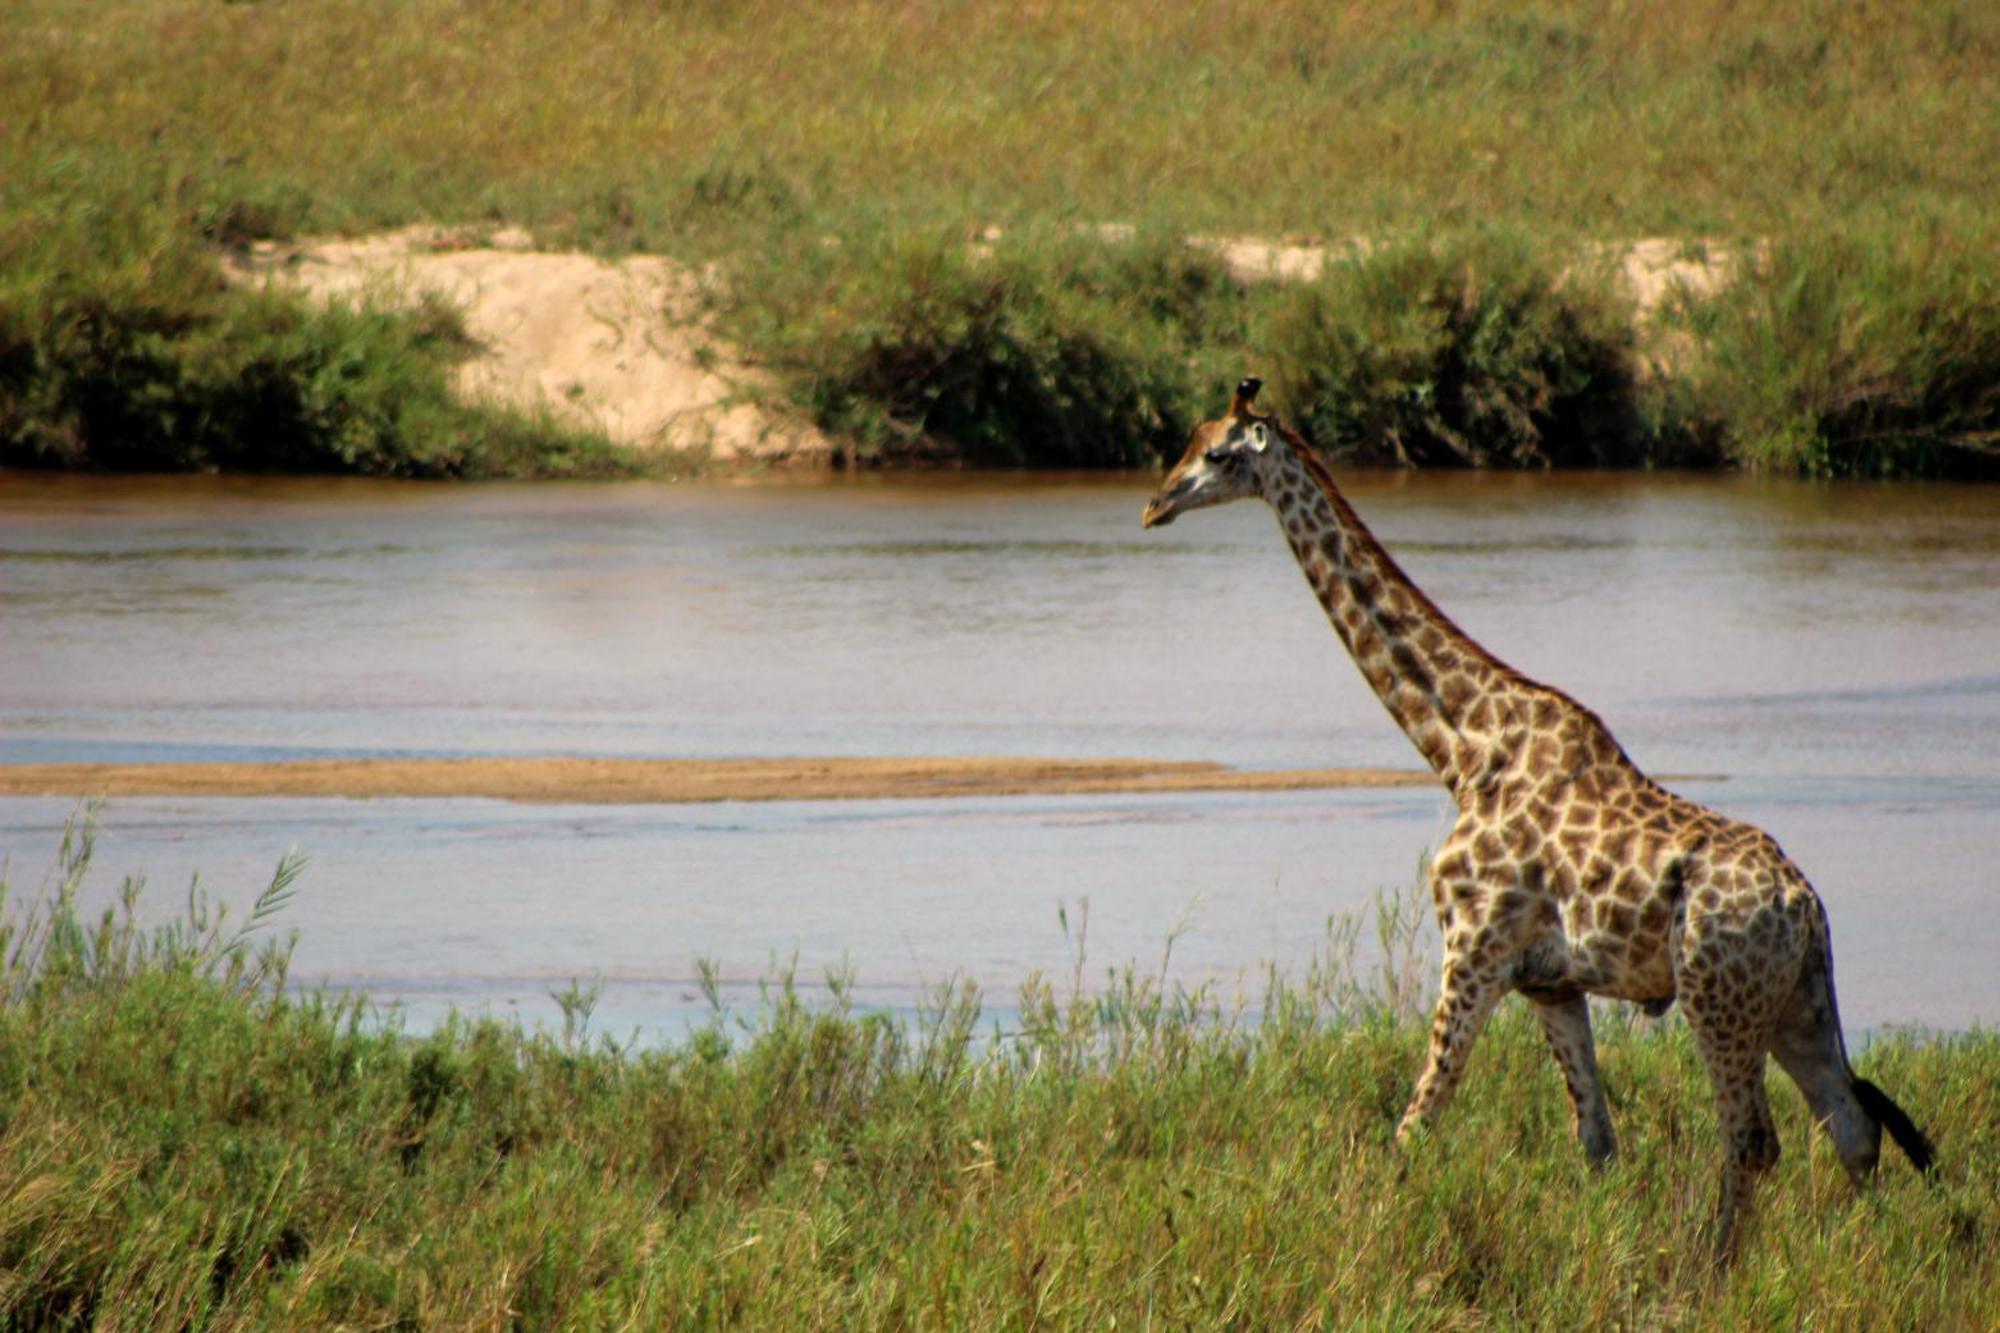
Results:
<point x="620" y="347"/>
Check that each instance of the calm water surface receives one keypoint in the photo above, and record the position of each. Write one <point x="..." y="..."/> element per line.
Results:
<point x="1822" y="659"/>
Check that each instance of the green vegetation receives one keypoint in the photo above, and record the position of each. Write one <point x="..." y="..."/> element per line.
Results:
<point x="120" y="347"/>
<point x="839" y="161"/>
<point x="1064" y="350"/>
<point x="185" y="1143"/>
<point x="1473" y="352"/>
<point x="1861" y="354"/>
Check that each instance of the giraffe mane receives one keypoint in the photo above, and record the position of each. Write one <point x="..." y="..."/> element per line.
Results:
<point x="1322" y="477"/>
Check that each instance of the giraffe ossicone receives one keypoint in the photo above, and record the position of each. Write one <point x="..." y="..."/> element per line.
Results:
<point x="1569" y="872"/>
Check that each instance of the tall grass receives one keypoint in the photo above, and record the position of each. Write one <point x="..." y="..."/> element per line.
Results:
<point x="186" y="1142"/>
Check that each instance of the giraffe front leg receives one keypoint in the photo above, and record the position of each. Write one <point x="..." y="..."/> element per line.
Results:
<point x="1566" y="1023"/>
<point x="1466" y="999"/>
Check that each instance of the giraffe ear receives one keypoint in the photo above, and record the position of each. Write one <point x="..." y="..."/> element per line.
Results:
<point x="1259" y="437"/>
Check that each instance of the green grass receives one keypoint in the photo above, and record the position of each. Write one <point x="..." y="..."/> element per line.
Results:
<point x="185" y="1142"/>
<point x="863" y="144"/>
<point x="640" y="123"/>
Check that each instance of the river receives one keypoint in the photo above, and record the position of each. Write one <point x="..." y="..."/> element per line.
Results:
<point x="1823" y="659"/>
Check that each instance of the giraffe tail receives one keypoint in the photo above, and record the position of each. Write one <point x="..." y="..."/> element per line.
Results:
<point x="1916" y="1145"/>
<point x="1878" y="1106"/>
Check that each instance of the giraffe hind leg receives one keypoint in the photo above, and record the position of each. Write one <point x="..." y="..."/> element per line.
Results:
<point x="1732" y="1027"/>
<point x="1566" y="1023"/>
<point x="1808" y="1048"/>
<point x="1853" y="1111"/>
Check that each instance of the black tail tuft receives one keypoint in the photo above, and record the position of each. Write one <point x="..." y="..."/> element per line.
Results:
<point x="1901" y="1128"/>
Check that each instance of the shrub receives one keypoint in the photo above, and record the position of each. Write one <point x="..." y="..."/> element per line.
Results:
<point x="1855" y="352"/>
<point x="1471" y="352"/>
<point x="122" y="347"/>
<point x="1067" y="350"/>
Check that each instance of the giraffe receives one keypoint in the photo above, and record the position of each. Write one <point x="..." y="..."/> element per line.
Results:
<point x="1568" y="872"/>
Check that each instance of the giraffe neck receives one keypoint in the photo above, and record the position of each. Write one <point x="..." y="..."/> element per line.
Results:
<point x="1437" y="683"/>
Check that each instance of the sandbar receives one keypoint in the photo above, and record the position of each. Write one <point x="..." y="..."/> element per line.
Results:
<point x="556" y="780"/>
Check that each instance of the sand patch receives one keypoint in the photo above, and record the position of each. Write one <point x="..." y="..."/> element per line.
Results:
<point x="1657" y="268"/>
<point x="676" y="781"/>
<point x="1259" y="259"/>
<point x="1652" y="269"/>
<point x="613" y="346"/>
<point x="1656" y="272"/>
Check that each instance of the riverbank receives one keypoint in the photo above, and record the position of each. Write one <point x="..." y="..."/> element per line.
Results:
<point x="675" y="781"/>
<point x="188" y="1142"/>
<point x="985" y="260"/>
<point x="630" y="347"/>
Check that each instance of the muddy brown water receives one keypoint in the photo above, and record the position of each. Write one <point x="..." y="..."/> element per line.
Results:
<point x="1821" y="659"/>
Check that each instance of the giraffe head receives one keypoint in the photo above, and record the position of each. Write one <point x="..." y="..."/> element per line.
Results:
<point x="1222" y="462"/>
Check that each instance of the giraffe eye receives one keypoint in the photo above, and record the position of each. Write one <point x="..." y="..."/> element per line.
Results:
<point x="1217" y="455"/>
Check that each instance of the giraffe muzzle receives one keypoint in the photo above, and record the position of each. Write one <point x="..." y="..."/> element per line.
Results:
<point x="1163" y="508"/>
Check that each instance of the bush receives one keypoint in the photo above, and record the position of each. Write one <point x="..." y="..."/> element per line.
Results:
<point x="1856" y="352"/>
<point x="122" y="347"/>
<point x="1056" y="351"/>
<point x="1472" y="352"/>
